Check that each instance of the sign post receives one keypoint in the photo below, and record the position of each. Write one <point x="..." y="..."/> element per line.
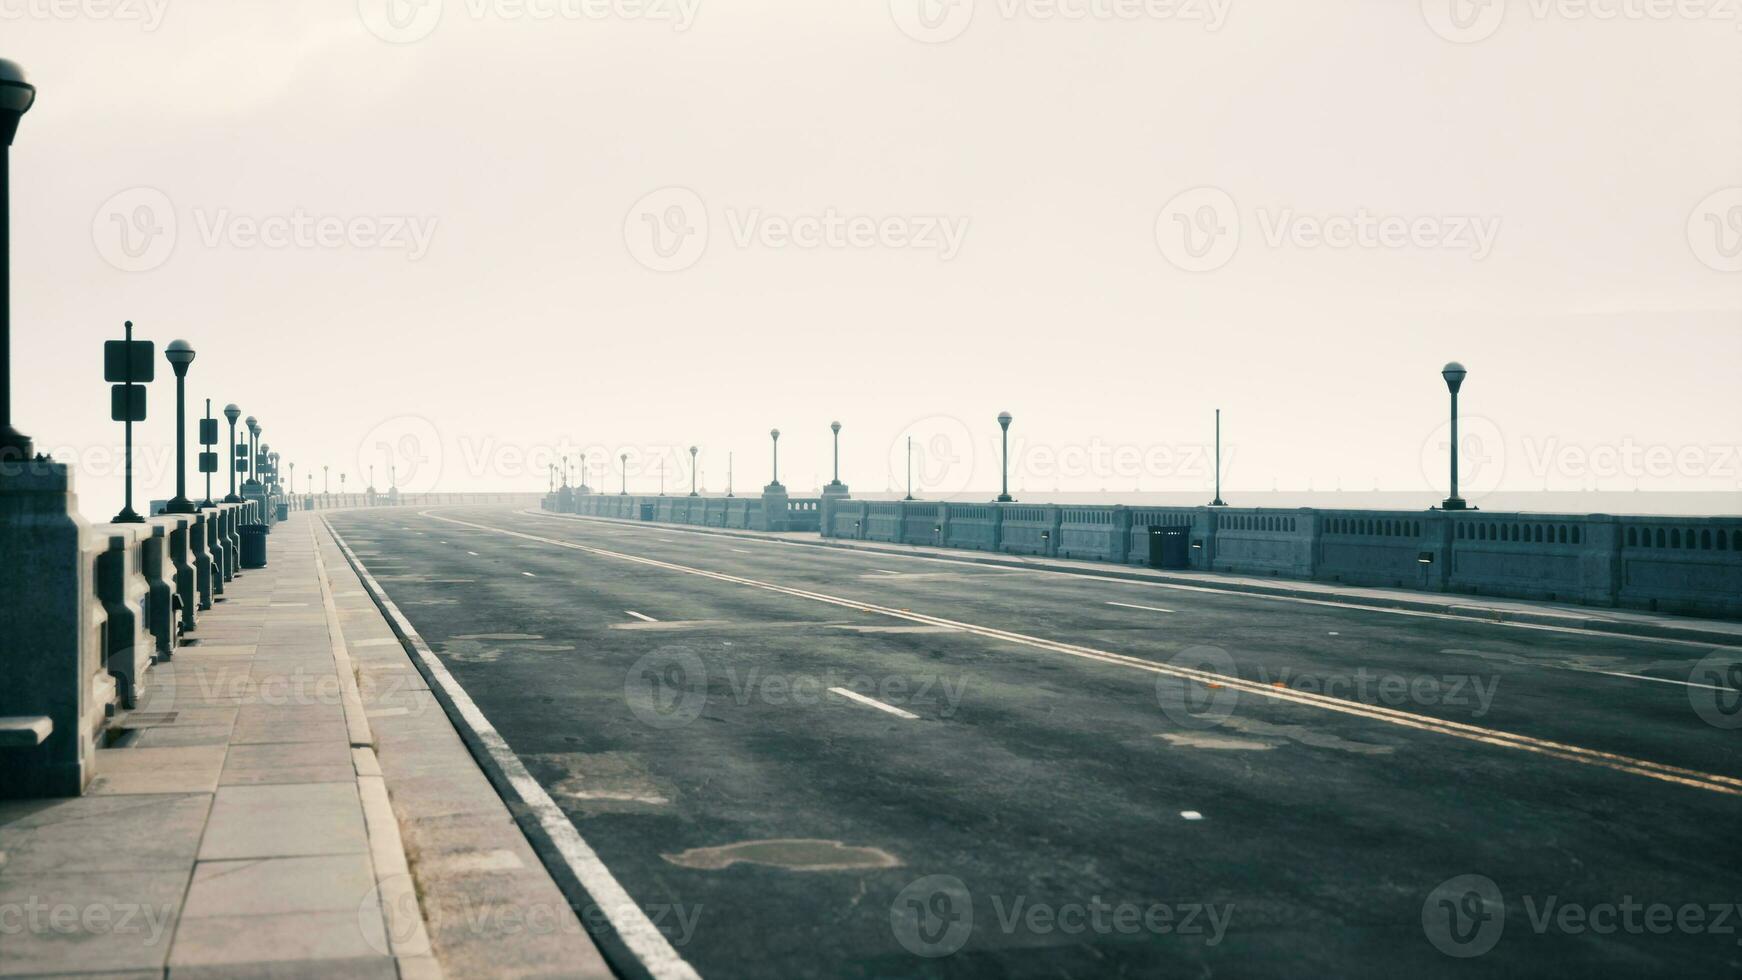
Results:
<point x="128" y="364"/>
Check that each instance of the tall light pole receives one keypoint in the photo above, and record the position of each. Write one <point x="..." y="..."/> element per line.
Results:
<point x="1454" y="374"/>
<point x="624" y="460"/>
<point x="729" y="475"/>
<point x="775" y="435"/>
<point x="326" y="481"/>
<point x="232" y="413"/>
<point x="693" y="472"/>
<point x="909" y="468"/>
<point x="1004" y="493"/>
<point x="180" y="354"/>
<point x="835" y="427"/>
<point x="1218" y="501"/>
<point x="253" y="425"/>
<point x="16" y="97"/>
<point x="662" y="475"/>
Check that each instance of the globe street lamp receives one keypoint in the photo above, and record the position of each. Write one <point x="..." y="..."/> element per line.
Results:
<point x="693" y="472"/>
<point x="1454" y="374"/>
<point x="624" y="459"/>
<point x="232" y="413"/>
<point x="775" y="435"/>
<point x="1004" y="424"/>
<point x="180" y="354"/>
<point x="16" y="97"/>
<point x="835" y="427"/>
<point x="253" y="426"/>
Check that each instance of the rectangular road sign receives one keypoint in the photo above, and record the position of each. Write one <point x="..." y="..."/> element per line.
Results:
<point x="128" y="360"/>
<point x="208" y="432"/>
<point x="242" y="454"/>
<point x="242" y="466"/>
<point x="127" y="403"/>
<point x="208" y="462"/>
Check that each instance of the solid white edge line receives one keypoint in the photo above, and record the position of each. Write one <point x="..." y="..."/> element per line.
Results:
<point x="1642" y="677"/>
<point x="627" y="918"/>
<point x="641" y="616"/>
<point x="873" y="703"/>
<point x="1133" y="605"/>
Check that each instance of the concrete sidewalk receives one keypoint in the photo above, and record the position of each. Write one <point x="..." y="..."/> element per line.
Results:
<point x="1624" y="622"/>
<point x="288" y="800"/>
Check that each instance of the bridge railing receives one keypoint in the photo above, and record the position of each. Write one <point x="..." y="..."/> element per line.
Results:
<point x="86" y="610"/>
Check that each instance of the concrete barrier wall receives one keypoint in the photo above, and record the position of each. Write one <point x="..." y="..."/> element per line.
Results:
<point x="740" y="513"/>
<point x="1683" y="565"/>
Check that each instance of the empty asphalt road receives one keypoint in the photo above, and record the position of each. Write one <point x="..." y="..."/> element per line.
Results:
<point x="804" y="761"/>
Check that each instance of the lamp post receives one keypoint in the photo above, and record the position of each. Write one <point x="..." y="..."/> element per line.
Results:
<point x="180" y="354"/>
<point x="693" y="472"/>
<point x="1454" y="374"/>
<point x="232" y="413"/>
<point x="16" y="97"/>
<point x="253" y="426"/>
<point x="729" y="475"/>
<point x="774" y="434"/>
<point x="1218" y="501"/>
<point x="1004" y="493"/>
<point x="909" y="468"/>
<point x="584" y="474"/>
<point x="293" y="479"/>
<point x="624" y="471"/>
<point x="326" y="481"/>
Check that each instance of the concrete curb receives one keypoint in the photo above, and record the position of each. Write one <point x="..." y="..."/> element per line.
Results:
<point x="1491" y="614"/>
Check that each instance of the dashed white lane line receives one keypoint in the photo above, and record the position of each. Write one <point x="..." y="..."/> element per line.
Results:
<point x="873" y="703"/>
<point x="474" y="554"/>
<point x="741" y="551"/>
<point x="1662" y="772"/>
<point x="1133" y="605"/>
<point x="529" y="575"/>
<point x="1191" y="815"/>
<point x="886" y="571"/>
<point x="640" y="616"/>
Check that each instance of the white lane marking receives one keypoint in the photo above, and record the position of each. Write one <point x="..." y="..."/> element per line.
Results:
<point x="1229" y="593"/>
<point x="1133" y="605"/>
<point x="741" y="551"/>
<point x="474" y="554"/>
<point x="1191" y="814"/>
<point x="1642" y="677"/>
<point x="640" y="616"/>
<point x="873" y="703"/>
<point x="886" y="571"/>
<point x="1663" y="772"/>
<point x="638" y="931"/>
<point x="529" y="575"/>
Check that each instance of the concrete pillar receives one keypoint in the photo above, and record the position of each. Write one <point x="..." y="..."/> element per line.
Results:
<point x="1054" y="520"/>
<point x="1205" y="521"/>
<point x="997" y="527"/>
<point x="124" y="593"/>
<point x="181" y="560"/>
<point x="943" y="525"/>
<point x="159" y="572"/>
<point x="1600" y="567"/>
<point x="47" y="741"/>
<point x="774" y="500"/>
<point x="1121" y="551"/>
<point x="199" y="525"/>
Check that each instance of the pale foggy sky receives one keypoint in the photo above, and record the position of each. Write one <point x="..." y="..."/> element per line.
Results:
<point x="531" y="321"/>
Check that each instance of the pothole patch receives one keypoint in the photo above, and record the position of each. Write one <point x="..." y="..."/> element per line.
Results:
<point x="788" y="854"/>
